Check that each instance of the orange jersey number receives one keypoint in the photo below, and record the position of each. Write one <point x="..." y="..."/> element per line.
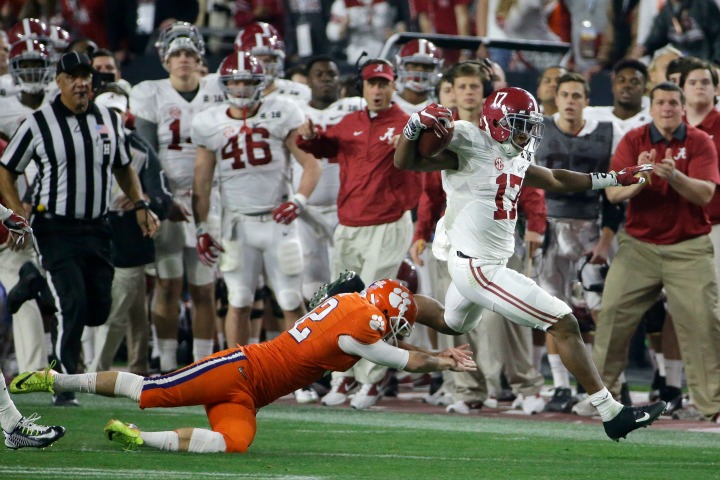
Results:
<point x="316" y="315"/>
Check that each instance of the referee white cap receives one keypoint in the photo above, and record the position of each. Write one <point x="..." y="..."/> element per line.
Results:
<point x="112" y="100"/>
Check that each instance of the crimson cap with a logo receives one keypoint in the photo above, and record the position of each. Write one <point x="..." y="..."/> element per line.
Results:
<point x="73" y="62"/>
<point x="378" y="70"/>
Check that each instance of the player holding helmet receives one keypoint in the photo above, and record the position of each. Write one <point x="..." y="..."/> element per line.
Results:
<point x="483" y="170"/>
<point x="234" y="383"/>
<point x="248" y="142"/>
<point x="164" y="110"/>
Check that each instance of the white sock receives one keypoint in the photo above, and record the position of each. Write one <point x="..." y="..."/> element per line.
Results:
<point x="673" y="373"/>
<point x="559" y="372"/>
<point x="271" y="334"/>
<point x="660" y="360"/>
<point x="253" y="340"/>
<point x="168" y="354"/>
<point x="606" y="405"/>
<point x="48" y="344"/>
<point x="128" y="385"/>
<point x="83" y="382"/>
<point x="221" y="341"/>
<point x="201" y="348"/>
<point x="9" y="414"/>
<point x="162" y="440"/>
<point x="538" y="352"/>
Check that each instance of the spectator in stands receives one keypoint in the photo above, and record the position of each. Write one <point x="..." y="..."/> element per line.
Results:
<point x="363" y="25"/>
<point x="657" y="70"/>
<point x="85" y="18"/>
<point x="547" y="88"/>
<point x="305" y="23"/>
<point x="445" y="17"/>
<point x="691" y="26"/>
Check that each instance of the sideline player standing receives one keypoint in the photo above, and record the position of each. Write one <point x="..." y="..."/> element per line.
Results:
<point x="164" y="110"/>
<point x="483" y="170"/>
<point x="249" y="141"/>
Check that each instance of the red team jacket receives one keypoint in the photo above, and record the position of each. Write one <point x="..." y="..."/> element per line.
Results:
<point x="372" y="190"/>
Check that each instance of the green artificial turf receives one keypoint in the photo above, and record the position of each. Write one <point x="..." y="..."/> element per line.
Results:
<point x="300" y="442"/>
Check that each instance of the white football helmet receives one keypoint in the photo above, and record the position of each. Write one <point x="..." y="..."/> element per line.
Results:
<point x="179" y="36"/>
<point x="419" y="51"/>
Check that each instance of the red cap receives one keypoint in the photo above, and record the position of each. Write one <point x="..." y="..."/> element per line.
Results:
<point x="378" y="70"/>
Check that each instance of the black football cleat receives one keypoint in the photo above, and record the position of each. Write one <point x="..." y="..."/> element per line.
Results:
<point x="632" y="418"/>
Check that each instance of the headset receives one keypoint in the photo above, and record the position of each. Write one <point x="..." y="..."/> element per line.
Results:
<point x="359" y="68"/>
<point x="593" y="287"/>
<point x="486" y="73"/>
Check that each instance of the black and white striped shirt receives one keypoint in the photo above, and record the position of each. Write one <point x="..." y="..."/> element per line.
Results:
<point x="75" y="155"/>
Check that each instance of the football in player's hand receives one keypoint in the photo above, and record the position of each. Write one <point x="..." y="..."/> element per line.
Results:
<point x="430" y="144"/>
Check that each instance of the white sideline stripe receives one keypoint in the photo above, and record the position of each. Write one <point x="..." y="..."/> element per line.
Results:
<point x="109" y="473"/>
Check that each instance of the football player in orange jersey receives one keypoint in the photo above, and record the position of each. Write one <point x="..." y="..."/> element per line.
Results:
<point x="234" y="383"/>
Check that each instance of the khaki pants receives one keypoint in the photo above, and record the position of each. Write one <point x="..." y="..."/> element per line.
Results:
<point x="687" y="271"/>
<point x="374" y="252"/>
<point x="128" y="314"/>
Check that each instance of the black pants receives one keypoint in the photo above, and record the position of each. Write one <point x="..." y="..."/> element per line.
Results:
<point x="76" y="256"/>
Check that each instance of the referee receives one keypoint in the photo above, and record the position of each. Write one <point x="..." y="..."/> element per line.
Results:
<point x="77" y="146"/>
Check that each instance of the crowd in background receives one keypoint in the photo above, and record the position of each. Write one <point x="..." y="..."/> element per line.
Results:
<point x="336" y="205"/>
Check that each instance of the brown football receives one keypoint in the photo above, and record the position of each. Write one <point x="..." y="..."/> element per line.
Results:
<point x="430" y="144"/>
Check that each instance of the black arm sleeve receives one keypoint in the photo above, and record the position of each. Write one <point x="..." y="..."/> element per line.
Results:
<point x="612" y="214"/>
<point x="153" y="179"/>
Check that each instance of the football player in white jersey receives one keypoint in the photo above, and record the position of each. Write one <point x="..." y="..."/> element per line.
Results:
<point x="629" y="82"/>
<point x="31" y="70"/>
<point x="249" y="142"/>
<point x="319" y="220"/>
<point x="418" y="66"/>
<point x="483" y="170"/>
<point x="164" y="110"/>
<point x="264" y="43"/>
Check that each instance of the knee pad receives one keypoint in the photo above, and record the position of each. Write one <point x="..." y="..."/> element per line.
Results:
<point x="169" y="265"/>
<point x="206" y="441"/>
<point x="239" y="296"/>
<point x="289" y="299"/>
<point x="289" y="256"/>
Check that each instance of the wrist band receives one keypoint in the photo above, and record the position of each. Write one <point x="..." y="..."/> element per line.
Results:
<point x="142" y="204"/>
<point x="300" y="199"/>
<point x="603" y="180"/>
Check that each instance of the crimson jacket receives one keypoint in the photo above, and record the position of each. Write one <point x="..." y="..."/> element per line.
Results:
<point x="372" y="190"/>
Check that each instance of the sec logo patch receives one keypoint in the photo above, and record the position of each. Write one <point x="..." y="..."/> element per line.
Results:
<point x="499" y="164"/>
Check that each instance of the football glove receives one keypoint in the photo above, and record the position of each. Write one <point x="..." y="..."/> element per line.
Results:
<point x="288" y="211"/>
<point x="433" y="116"/>
<point x="626" y="176"/>
<point x="16" y="225"/>
<point x="623" y="178"/>
<point x="207" y="247"/>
